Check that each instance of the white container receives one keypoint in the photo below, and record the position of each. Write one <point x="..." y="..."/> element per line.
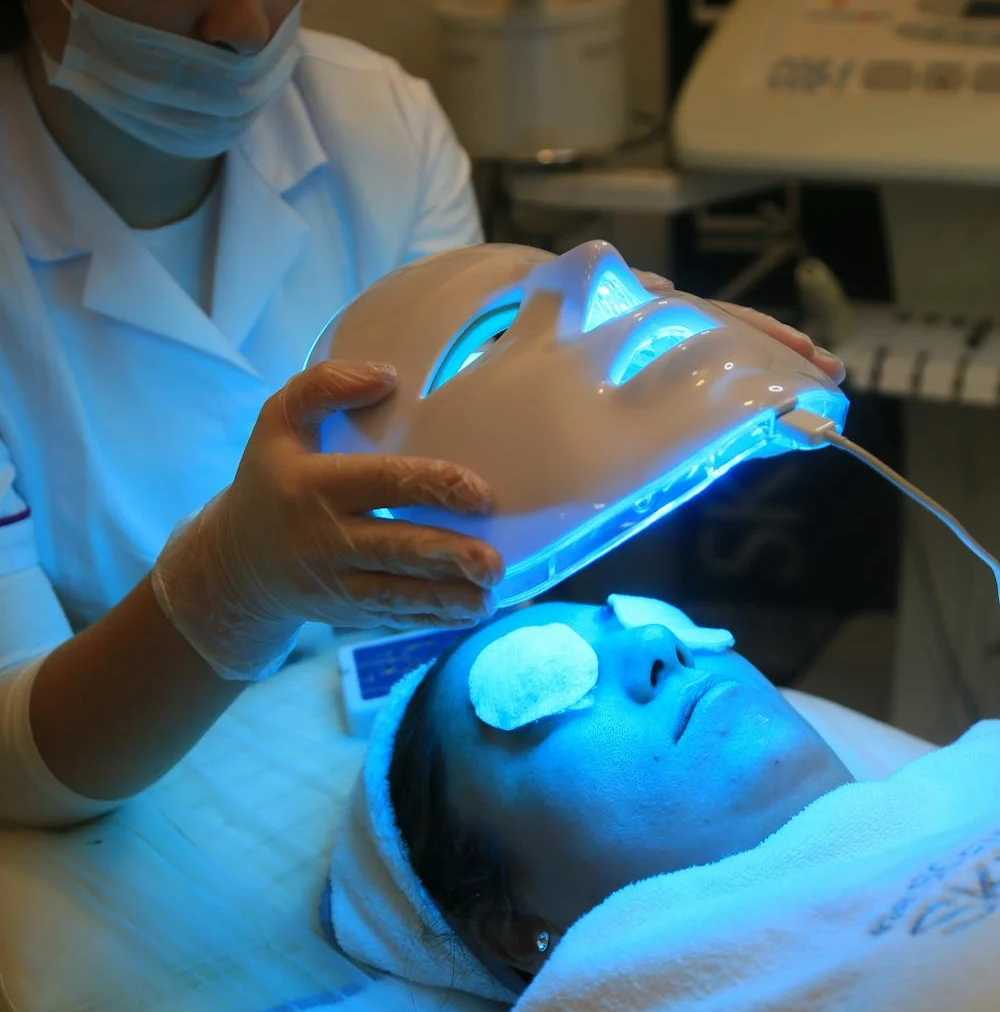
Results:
<point x="533" y="80"/>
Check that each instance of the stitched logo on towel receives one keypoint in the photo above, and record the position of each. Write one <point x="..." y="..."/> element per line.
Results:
<point x="949" y="896"/>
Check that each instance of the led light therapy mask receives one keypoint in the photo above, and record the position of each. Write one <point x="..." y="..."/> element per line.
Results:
<point x="591" y="407"/>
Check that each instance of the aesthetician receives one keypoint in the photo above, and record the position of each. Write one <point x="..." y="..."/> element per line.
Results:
<point x="189" y="191"/>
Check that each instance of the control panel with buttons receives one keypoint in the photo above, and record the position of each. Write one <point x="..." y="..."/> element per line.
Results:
<point x="869" y="89"/>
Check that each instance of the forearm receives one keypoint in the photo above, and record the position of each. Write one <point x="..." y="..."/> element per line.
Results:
<point x="117" y="706"/>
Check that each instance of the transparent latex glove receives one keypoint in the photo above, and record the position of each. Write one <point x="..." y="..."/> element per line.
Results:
<point x="293" y="540"/>
<point x="788" y="336"/>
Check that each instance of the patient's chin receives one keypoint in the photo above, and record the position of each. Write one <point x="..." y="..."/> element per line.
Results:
<point x="765" y="756"/>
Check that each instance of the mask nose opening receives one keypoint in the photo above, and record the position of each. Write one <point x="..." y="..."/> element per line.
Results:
<point x="615" y="293"/>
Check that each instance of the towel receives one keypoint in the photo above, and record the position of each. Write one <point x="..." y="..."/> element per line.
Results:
<point x="880" y="895"/>
<point x="380" y="912"/>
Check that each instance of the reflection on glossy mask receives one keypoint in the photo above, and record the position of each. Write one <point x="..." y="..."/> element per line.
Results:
<point x="531" y="673"/>
<point x="634" y="612"/>
<point x="182" y="96"/>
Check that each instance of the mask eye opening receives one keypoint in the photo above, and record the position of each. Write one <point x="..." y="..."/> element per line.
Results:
<point x="473" y="341"/>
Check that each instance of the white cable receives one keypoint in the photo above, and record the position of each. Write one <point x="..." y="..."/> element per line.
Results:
<point x="809" y="430"/>
<point x="842" y="443"/>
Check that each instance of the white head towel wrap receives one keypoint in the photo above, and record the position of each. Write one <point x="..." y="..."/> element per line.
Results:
<point x="381" y="914"/>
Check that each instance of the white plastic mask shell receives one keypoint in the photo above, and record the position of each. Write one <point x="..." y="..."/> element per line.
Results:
<point x="565" y="450"/>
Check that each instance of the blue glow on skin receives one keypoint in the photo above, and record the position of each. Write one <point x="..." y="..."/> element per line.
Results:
<point x="633" y="612"/>
<point x="682" y="758"/>
<point x="540" y="671"/>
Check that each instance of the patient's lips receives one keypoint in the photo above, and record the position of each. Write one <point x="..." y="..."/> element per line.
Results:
<point x="687" y="700"/>
<point x="698" y="698"/>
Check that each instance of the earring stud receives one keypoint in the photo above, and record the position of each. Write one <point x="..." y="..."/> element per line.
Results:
<point x="542" y="941"/>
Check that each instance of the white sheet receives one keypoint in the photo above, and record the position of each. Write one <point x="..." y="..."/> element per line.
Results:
<point x="203" y="896"/>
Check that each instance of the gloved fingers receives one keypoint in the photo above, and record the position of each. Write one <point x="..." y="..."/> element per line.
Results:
<point x="404" y="549"/>
<point x="395" y="597"/>
<point x="358" y="483"/>
<point x="830" y="364"/>
<point x="654" y="284"/>
<point x="790" y="337"/>
<point x="312" y="395"/>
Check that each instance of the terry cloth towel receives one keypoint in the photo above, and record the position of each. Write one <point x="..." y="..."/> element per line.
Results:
<point x="380" y="912"/>
<point x="879" y="896"/>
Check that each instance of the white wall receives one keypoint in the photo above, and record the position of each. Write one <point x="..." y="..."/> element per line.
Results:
<point x="405" y="29"/>
<point x="402" y="28"/>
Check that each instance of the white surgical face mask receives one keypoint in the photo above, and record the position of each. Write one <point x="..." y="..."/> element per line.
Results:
<point x="182" y="96"/>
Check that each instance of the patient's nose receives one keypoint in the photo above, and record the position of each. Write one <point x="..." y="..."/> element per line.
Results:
<point x="642" y="659"/>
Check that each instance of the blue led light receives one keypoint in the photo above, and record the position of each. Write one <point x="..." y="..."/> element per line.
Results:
<point x="472" y="343"/>
<point x="828" y="404"/>
<point x="612" y="525"/>
<point x="662" y="332"/>
<point x="616" y="524"/>
<point x="614" y="297"/>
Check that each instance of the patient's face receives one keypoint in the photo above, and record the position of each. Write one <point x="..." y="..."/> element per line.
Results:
<point x="590" y="800"/>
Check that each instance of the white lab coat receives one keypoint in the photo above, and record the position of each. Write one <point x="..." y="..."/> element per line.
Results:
<point x="123" y="407"/>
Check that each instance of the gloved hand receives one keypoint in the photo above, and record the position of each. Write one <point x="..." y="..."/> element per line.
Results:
<point x="789" y="336"/>
<point x="292" y="539"/>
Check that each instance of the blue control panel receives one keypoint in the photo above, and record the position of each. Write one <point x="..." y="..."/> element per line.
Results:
<point x="380" y="665"/>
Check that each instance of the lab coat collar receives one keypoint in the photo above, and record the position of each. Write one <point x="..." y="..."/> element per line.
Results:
<point x="260" y="233"/>
<point x="281" y="144"/>
<point x="58" y="216"/>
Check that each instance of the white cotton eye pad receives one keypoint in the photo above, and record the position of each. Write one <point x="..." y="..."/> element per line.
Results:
<point x="533" y="672"/>
<point x="634" y="612"/>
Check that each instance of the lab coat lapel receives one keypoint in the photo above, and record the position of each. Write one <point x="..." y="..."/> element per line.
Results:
<point x="260" y="238"/>
<point x="60" y="217"/>
<point x="126" y="282"/>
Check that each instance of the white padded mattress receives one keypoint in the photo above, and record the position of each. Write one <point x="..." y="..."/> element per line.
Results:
<point x="203" y="894"/>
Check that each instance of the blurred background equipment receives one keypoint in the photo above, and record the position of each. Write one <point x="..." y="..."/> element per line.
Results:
<point x="836" y="163"/>
<point x="532" y="80"/>
<point x="902" y="96"/>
